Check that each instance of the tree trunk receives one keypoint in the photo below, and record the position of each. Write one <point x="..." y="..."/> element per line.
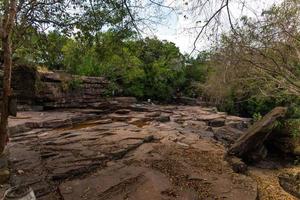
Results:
<point x="6" y="31"/>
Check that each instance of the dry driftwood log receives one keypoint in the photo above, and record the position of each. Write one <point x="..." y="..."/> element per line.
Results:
<point x="250" y="146"/>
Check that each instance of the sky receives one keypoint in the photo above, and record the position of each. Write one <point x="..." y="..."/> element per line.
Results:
<point x="176" y="27"/>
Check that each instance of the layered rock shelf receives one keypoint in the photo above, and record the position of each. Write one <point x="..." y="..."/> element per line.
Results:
<point x="55" y="89"/>
<point x="59" y="90"/>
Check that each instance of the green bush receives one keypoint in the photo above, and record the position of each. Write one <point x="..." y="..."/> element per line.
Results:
<point x="147" y="68"/>
<point x="144" y="68"/>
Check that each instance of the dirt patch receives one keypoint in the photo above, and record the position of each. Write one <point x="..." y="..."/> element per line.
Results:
<point x="269" y="187"/>
<point x="201" y="174"/>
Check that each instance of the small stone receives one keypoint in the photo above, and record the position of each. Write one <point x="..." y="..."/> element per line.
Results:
<point x="226" y="135"/>
<point x="163" y="118"/>
<point x="20" y="172"/>
<point x="148" y="139"/>
<point x="20" y="192"/>
<point x="237" y="165"/>
<point x="240" y="125"/>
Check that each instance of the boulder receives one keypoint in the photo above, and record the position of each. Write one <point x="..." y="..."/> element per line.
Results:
<point x="241" y="125"/>
<point x="19" y="192"/>
<point x="247" y="146"/>
<point x="238" y="166"/>
<point x="227" y="135"/>
<point x="163" y="118"/>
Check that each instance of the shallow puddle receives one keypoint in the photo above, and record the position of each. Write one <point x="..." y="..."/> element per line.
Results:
<point x="87" y="124"/>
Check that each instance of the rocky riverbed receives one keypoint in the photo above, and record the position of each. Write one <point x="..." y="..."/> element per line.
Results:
<point x="136" y="152"/>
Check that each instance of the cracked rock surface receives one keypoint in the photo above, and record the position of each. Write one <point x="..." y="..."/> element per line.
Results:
<point x="143" y="152"/>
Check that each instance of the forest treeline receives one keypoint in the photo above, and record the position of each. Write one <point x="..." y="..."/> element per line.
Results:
<point x="249" y="71"/>
<point x="145" y="68"/>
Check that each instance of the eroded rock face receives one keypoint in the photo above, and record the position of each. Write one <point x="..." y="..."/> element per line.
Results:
<point x="56" y="90"/>
<point x="23" y="83"/>
<point x="60" y="90"/>
<point x="237" y="164"/>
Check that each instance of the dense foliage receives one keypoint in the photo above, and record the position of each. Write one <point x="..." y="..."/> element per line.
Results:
<point x="145" y="68"/>
<point x="257" y="67"/>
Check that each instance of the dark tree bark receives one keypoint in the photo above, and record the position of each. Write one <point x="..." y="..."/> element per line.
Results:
<point x="6" y="30"/>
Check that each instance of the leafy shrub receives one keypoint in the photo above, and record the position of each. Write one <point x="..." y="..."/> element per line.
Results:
<point x="256" y="117"/>
<point x="145" y="68"/>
